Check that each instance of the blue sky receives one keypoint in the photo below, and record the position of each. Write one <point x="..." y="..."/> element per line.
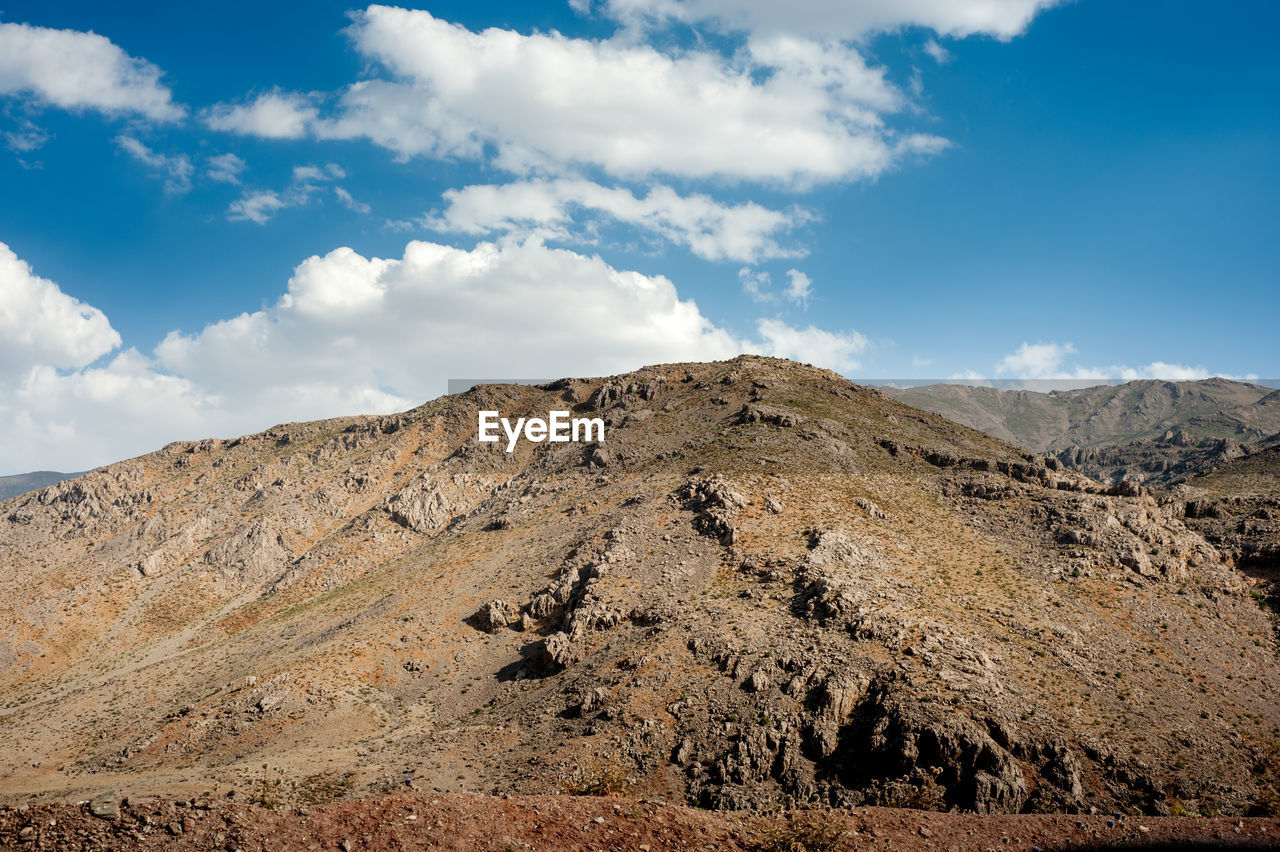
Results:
<point x="221" y="216"/>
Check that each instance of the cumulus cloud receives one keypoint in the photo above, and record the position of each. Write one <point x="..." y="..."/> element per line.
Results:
<point x="834" y="350"/>
<point x="1035" y="360"/>
<point x="40" y="324"/>
<point x="74" y="421"/>
<point x="176" y="169"/>
<point x="790" y="111"/>
<point x="350" y="334"/>
<point x="842" y="19"/>
<point x="81" y="70"/>
<point x="744" y="232"/>
<point x="271" y="115"/>
<point x="403" y="325"/>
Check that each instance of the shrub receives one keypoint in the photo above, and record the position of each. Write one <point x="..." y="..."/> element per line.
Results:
<point x="803" y="832"/>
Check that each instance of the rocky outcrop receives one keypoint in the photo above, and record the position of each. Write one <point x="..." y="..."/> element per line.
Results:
<point x="497" y="615"/>
<point x="715" y="503"/>
<point x="896" y="750"/>
<point x="757" y="413"/>
<point x="429" y="505"/>
<point x="254" y="554"/>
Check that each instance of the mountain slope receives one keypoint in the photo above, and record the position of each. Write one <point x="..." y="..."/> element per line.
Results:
<point x="767" y="586"/>
<point x="1237" y="507"/>
<point x="1147" y="431"/>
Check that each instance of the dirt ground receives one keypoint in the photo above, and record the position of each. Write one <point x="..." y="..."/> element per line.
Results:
<point x="475" y="822"/>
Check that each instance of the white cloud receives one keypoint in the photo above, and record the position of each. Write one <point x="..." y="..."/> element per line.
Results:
<point x="40" y="324"/>
<point x="81" y="70"/>
<point x="786" y="110"/>
<point x="1164" y="370"/>
<point x="78" y="420"/>
<point x="1035" y="360"/>
<point x="834" y="350"/>
<point x="355" y="334"/>
<point x="272" y="115"/>
<point x="261" y="205"/>
<point x="744" y="232"/>
<point x="401" y="326"/>
<point x="28" y="137"/>
<point x="833" y="18"/>
<point x="330" y="171"/>
<point x="937" y="52"/>
<point x="756" y="284"/>
<point x="256" y="207"/>
<point x="349" y="202"/>
<point x="224" y="168"/>
<point x="799" y="288"/>
<point x="175" y="169"/>
<point x="1047" y="363"/>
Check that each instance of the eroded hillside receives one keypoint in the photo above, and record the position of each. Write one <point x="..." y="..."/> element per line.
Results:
<point x="767" y="586"/>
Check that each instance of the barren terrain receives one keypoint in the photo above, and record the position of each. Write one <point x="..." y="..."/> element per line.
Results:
<point x="768" y="588"/>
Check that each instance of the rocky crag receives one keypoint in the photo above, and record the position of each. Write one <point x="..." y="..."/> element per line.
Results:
<point x="1237" y="508"/>
<point x="767" y="587"/>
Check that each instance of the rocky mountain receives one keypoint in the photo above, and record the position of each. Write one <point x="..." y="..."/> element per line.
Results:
<point x="21" y="483"/>
<point x="1147" y="431"/>
<point x="1237" y="508"/>
<point x="767" y="586"/>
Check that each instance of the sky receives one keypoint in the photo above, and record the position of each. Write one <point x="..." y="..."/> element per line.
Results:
<point x="215" y="217"/>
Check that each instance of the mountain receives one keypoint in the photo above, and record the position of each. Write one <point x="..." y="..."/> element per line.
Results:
<point x="766" y="586"/>
<point x="21" y="483"/>
<point x="1147" y="431"/>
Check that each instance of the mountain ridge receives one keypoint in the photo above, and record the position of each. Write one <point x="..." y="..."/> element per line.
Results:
<point x="1149" y="431"/>
<point x="20" y="483"/>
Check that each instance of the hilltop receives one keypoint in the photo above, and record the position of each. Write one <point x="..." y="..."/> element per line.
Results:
<point x="767" y="587"/>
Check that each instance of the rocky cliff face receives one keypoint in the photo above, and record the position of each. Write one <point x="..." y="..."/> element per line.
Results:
<point x="766" y="586"/>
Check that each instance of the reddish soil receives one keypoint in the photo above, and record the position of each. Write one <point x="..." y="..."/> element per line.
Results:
<point x="475" y="822"/>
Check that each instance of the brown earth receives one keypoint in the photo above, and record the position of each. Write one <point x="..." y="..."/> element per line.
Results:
<point x="767" y="588"/>
<point x="474" y="822"/>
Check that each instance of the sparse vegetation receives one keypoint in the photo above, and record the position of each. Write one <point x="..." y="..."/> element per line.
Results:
<point x="805" y="831"/>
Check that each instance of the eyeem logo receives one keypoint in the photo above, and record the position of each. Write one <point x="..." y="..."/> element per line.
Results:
<point x="557" y="428"/>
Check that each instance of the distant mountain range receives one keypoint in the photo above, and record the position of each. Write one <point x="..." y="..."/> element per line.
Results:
<point x="1147" y="431"/>
<point x="21" y="483"/>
